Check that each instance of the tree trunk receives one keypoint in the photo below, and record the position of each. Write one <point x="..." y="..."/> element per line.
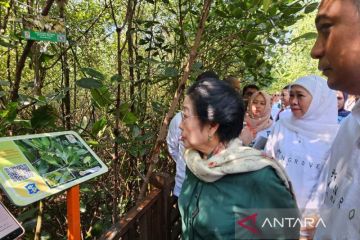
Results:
<point x="130" y="45"/>
<point x="21" y="63"/>
<point x="186" y="72"/>
<point x="116" y="130"/>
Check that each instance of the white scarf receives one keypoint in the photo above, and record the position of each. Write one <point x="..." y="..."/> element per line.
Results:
<point x="234" y="159"/>
<point x="320" y="120"/>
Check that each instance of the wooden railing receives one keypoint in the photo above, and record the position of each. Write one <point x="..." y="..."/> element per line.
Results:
<point x="155" y="218"/>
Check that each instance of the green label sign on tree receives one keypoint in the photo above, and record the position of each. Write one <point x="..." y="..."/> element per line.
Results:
<point x="44" y="28"/>
<point x="44" y="36"/>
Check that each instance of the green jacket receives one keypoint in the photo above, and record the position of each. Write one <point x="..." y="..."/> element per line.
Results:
<point x="212" y="210"/>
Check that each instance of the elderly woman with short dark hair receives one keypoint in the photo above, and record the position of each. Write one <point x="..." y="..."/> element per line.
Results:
<point x="224" y="179"/>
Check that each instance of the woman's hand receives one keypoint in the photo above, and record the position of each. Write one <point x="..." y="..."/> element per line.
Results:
<point x="247" y="135"/>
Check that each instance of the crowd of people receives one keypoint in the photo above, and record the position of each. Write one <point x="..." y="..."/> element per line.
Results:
<point x="244" y="156"/>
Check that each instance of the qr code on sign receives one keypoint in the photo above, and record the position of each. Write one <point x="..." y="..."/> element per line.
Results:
<point x="19" y="173"/>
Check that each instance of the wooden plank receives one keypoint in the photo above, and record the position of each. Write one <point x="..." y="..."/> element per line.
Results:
<point x="132" y="233"/>
<point x="176" y="231"/>
<point x="158" y="226"/>
<point x="144" y="227"/>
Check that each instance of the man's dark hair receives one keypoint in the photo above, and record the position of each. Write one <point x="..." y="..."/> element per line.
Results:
<point x="207" y="74"/>
<point x="286" y="87"/>
<point x="250" y="86"/>
<point x="216" y="101"/>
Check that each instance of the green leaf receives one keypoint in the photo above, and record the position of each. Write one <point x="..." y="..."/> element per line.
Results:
<point x="99" y="126"/>
<point x="116" y="78"/>
<point x="293" y="8"/>
<point x="31" y="213"/>
<point x="23" y="123"/>
<point x="50" y="160"/>
<point x="143" y="41"/>
<point x="9" y="114"/>
<point x="311" y="7"/>
<point x="2" y="93"/>
<point x="101" y="97"/>
<point x="5" y="3"/>
<point x="266" y="4"/>
<point x="40" y="101"/>
<point x="129" y="118"/>
<point x="125" y="115"/>
<point x="197" y="66"/>
<point x="306" y="36"/>
<point x="171" y="72"/>
<point x="6" y="44"/>
<point x="220" y="13"/>
<point x="93" y="73"/>
<point x="4" y="83"/>
<point x="43" y="117"/>
<point x="46" y="57"/>
<point x="89" y="83"/>
<point x="92" y="143"/>
<point x="87" y="159"/>
<point x="271" y="40"/>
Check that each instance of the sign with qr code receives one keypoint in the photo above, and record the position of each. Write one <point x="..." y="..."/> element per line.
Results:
<point x="33" y="167"/>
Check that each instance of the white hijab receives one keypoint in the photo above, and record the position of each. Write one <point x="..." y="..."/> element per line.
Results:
<point x="320" y="120"/>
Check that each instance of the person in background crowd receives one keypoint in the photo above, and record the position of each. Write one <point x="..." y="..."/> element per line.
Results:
<point x="341" y="98"/>
<point x="223" y="178"/>
<point x="310" y="129"/>
<point x="285" y="104"/>
<point x="337" y="49"/>
<point x="350" y="102"/>
<point x="234" y="82"/>
<point x="302" y="140"/>
<point x="275" y="105"/>
<point x="257" y="120"/>
<point x="175" y="145"/>
<point x="248" y="90"/>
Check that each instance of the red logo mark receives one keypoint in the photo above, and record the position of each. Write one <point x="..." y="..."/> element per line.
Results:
<point x="252" y="219"/>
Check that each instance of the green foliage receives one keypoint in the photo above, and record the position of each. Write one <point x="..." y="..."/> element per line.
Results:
<point x="6" y="44"/>
<point x="93" y="73"/>
<point x="306" y="36"/>
<point x="293" y="61"/>
<point x="89" y="83"/>
<point x="99" y="127"/>
<point x="44" y="116"/>
<point x="56" y="159"/>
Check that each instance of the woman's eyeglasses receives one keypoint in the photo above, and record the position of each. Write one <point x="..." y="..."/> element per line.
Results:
<point x="184" y="117"/>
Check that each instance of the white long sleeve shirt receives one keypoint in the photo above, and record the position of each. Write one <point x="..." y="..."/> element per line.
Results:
<point x="176" y="150"/>
<point x="340" y="189"/>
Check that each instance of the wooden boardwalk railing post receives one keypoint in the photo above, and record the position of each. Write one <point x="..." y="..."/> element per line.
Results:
<point x="151" y="219"/>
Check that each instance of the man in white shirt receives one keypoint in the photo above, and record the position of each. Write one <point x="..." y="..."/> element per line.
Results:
<point x="285" y="103"/>
<point x="275" y="105"/>
<point x="338" y="49"/>
<point x="176" y="150"/>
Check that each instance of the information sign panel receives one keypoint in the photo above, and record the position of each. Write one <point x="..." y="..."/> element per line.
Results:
<point x="33" y="167"/>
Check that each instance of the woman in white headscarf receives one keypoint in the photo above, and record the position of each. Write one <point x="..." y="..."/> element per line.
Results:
<point x="301" y="140"/>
